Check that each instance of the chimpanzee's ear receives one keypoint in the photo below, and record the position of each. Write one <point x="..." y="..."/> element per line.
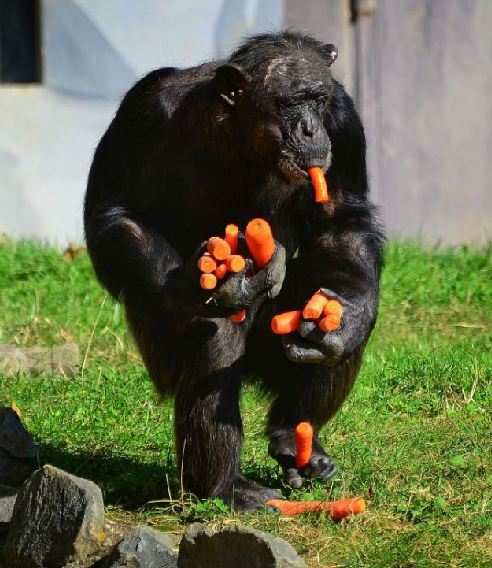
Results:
<point x="231" y="79"/>
<point x="331" y="51"/>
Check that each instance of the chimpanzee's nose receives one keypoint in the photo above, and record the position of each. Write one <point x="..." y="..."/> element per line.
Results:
<point x="309" y="126"/>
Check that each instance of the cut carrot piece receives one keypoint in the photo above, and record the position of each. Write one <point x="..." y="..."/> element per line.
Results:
<point x="221" y="271"/>
<point x="329" y="323"/>
<point x="239" y="317"/>
<point x="314" y="308"/>
<point x="206" y="264"/>
<point x="304" y="443"/>
<point x="208" y="281"/>
<point x="235" y="263"/>
<point x="286" y="322"/>
<point x="218" y="248"/>
<point x="319" y="183"/>
<point x="231" y="236"/>
<point x="337" y="510"/>
<point x="260" y="242"/>
<point x="333" y="307"/>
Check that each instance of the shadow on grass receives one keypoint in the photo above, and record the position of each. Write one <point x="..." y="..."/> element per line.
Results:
<point x="124" y="482"/>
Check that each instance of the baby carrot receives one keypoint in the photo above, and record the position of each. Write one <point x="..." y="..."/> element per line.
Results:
<point x="221" y="270"/>
<point x="235" y="263"/>
<point x="208" y="281"/>
<point x="319" y="183"/>
<point x="218" y="248"/>
<point x="329" y="323"/>
<point x="286" y="322"/>
<point x="304" y="443"/>
<point x="333" y="307"/>
<point x="260" y="242"/>
<point x="231" y="236"/>
<point x="314" y="308"/>
<point x="337" y="510"/>
<point x="206" y="264"/>
<point x="239" y="317"/>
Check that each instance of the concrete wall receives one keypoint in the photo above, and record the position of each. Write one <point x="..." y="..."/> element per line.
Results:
<point x="93" y="51"/>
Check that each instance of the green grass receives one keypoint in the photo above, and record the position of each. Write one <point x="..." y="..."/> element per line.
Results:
<point x="415" y="434"/>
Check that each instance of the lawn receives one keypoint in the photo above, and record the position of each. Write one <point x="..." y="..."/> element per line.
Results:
<point x="414" y="437"/>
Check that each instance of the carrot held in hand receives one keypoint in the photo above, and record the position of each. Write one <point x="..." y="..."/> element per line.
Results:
<point x="231" y="236"/>
<point x="239" y="317"/>
<point x="206" y="264"/>
<point x="319" y="183"/>
<point x="304" y="443"/>
<point x="235" y="263"/>
<point x="329" y="323"/>
<point x="260" y="242"/>
<point x="337" y="510"/>
<point x="314" y="308"/>
<point x="208" y="281"/>
<point x="333" y="307"/>
<point x="286" y="322"/>
<point x="218" y="248"/>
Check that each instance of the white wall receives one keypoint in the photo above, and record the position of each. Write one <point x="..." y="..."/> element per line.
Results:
<point x="94" y="50"/>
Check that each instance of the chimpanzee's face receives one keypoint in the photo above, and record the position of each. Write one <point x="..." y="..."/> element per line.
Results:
<point x="280" y="110"/>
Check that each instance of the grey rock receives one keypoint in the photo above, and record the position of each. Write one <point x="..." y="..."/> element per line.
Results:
<point x="56" y="517"/>
<point x="142" y="548"/>
<point x="58" y="360"/>
<point x="18" y="451"/>
<point x="237" y="547"/>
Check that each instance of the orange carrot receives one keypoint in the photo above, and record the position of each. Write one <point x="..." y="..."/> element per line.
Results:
<point x="314" y="308"/>
<point x="260" y="242"/>
<point x="208" y="281"/>
<point x="206" y="264"/>
<point x="221" y="270"/>
<point x="286" y="322"/>
<point x="329" y="323"/>
<point x="239" y="317"/>
<point x="337" y="510"/>
<point x="304" y="443"/>
<point x="333" y="307"/>
<point x="218" y="248"/>
<point x="319" y="183"/>
<point x="235" y="263"/>
<point x="231" y="236"/>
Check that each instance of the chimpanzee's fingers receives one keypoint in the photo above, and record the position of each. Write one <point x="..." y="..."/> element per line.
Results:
<point x="300" y="350"/>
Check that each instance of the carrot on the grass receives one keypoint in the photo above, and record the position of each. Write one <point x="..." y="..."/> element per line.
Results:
<point x="235" y="263"/>
<point x="260" y="242"/>
<point x="304" y="443"/>
<point x="319" y="183"/>
<point x="314" y="308"/>
<point x="208" y="281"/>
<point x="286" y="322"/>
<point x="231" y="236"/>
<point x="337" y="510"/>
<point x="206" y="264"/>
<point x="218" y="248"/>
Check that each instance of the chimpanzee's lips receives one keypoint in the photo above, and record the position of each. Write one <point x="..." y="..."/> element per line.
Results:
<point x="291" y="169"/>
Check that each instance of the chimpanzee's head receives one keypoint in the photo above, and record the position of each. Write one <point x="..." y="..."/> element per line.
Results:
<point x="277" y="90"/>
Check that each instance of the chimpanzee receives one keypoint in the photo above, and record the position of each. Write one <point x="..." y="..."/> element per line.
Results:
<point x="190" y="151"/>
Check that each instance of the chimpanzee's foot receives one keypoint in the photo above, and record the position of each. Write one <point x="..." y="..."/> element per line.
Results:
<point x="282" y="448"/>
<point x="248" y="495"/>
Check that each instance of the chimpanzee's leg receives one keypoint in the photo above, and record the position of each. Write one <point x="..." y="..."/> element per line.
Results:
<point x="303" y="392"/>
<point x="203" y="361"/>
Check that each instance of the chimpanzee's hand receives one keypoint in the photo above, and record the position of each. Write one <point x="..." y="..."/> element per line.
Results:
<point x="311" y="345"/>
<point x="232" y="294"/>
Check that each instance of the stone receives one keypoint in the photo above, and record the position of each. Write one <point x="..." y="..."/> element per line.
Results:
<point x="142" y="548"/>
<point x="18" y="451"/>
<point x="57" y="360"/>
<point x="236" y="546"/>
<point x="56" y="517"/>
<point x="8" y="496"/>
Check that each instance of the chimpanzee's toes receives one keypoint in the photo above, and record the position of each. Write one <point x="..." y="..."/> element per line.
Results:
<point x="320" y="466"/>
<point x="248" y="495"/>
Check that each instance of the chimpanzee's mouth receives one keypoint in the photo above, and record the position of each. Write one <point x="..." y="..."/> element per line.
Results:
<point x="291" y="169"/>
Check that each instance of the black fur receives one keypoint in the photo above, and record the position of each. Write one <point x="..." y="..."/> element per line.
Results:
<point x="190" y="151"/>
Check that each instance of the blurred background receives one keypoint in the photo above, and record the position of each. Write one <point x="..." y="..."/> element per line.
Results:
<point x="420" y="72"/>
